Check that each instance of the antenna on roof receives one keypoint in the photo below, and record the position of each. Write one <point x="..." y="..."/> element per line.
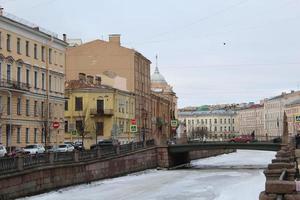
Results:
<point x="156" y="59"/>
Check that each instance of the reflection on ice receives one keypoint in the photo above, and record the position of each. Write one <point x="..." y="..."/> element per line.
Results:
<point x="208" y="184"/>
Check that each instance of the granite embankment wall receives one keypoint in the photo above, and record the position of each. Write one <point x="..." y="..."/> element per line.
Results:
<point x="44" y="178"/>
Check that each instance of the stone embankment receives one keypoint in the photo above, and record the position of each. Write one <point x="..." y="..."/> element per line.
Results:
<point x="35" y="175"/>
<point x="282" y="176"/>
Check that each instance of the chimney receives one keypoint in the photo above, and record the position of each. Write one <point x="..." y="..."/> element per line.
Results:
<point x="65" y="37"/>
<point x="98" y="80"/>
<point x="90" y="79"/>
<point x="81" y="77"/>
<point x="1" y="11"/>
<point x="115" y="39"/>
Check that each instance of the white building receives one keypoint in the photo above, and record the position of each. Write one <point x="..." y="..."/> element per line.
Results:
<point x="215" y="122"/>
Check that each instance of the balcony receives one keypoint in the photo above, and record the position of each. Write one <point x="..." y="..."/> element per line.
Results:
<point x="15" y="85"/>
<point x="101" y="112"/>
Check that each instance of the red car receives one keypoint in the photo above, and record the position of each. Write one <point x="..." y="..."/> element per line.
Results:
<point x="242" y="139"/>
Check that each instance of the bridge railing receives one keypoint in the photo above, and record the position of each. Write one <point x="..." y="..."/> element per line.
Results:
<point x="13" y="164"/>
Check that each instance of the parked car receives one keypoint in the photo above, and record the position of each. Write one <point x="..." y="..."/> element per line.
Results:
<point x="242" y="139"/>
<point x="3" y="151"/>
<point x="64" y="148"/>
<point x="18" y="151"/>
<point x="34" y="149"/>
<point x="104" y="144"/>
<point x="277" y="140"/>
<point x="78" y="146"/>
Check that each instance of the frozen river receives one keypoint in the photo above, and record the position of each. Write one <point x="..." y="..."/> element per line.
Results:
<point x="227" y="177"/>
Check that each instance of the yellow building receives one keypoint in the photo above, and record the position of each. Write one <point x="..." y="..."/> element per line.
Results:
<point x="32" y="73"/>
<point x="97" y="111"/>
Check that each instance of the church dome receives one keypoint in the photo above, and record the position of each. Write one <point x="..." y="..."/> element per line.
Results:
<point x="156" y="77"/>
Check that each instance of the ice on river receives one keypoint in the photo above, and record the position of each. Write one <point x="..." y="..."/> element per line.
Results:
<point x="190" y="184"/>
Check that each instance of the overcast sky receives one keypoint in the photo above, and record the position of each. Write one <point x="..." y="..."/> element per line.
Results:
<point x="260" y="58"/>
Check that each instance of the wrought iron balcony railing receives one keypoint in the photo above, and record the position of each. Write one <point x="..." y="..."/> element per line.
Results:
<point x="101" y="112"/>
<point x="14" y="84"/>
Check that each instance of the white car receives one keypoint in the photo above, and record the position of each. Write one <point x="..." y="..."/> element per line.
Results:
<point x="34" y="149"/>
<point x="3" y="151"/>
<point x="64" y="148"/>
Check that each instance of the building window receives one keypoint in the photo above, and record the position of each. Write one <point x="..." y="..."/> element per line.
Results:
<point x="50" y="88"/>
<point x="35" y="108"/>
<point x="27" y="76"/>
<point x="43" y="137"/>
<point x="27" y="107"/>
<point x="50" y="56"/>
<point x="66" y="105"/>
<point x="18" y="45"/>
<point x="27" y="135"/>
<point x="99" y="128"/>
<point x="79" y="126"/>
<point x="27" y="48"/>
<point x="221" y="129"/>
<point x="66" y="126"/>
<point x="50" y="108"/>
<point x="35" y="51"/>
<point x="228" y="128"/>
<point x="43" y="53"/>
<point x="215" y="129"/>
<point x="35" y="135"/>
<point x="19" y="106"/>
<point x="8" y="72"/>
<point x="78" y="104"/>
<point x="216" y="121"/>
<point x="19" y="74"/>
<point x="42" y="109"/>
<point x="224" y="121"/>
<point x="8" y="106"/>
<point x="18" y="135"/>
<point x="228" y="121"/>
<point x="233" y="128"/>
<point x="233" y="121"/>
<point x="221" y="121"/>
<point x="43" y="81"/>
<point x="8" y="42"/>
<point x="35" y="79"/>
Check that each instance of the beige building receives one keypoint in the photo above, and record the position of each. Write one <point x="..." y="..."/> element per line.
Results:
<point x="251" y="120"/>
<point x="160" y="87"/>
<point x="32" y="75"/>
<point x="292" y="110"/>
<point x="216" y="122"/>
<point x="274" y="111"/>
<point x="99" y="56"/>
<point x="161" y="117"/>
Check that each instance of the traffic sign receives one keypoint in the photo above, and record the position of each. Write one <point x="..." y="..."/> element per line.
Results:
<point x="133" y="122"/>
<point x="133" y="128"/>
<point x="55" y="124"/>
<point x="174" y="123"/>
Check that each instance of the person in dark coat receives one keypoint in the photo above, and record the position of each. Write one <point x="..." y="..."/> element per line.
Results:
<point x="297" y="138"/>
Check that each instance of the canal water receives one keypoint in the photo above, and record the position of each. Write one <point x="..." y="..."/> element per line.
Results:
<point x="232" y="176"/>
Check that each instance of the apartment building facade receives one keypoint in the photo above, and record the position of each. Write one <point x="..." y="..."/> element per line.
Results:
<point x="251" y="120"/>
<point x="215" y="122"/>
<point x="96" y="111"/>
<point x="292" y="110"/>
<point x="99" y="56"/>
<point x="274" y="111"/>
<point x="32" y="75"/>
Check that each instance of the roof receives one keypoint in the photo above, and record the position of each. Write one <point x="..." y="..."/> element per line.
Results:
<point x="295" y="102"/>
<point x="207" y="113"/>
<point x="10" y="18"/>
<point x="157" y="77"/>
<point x="81" y="84"/>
